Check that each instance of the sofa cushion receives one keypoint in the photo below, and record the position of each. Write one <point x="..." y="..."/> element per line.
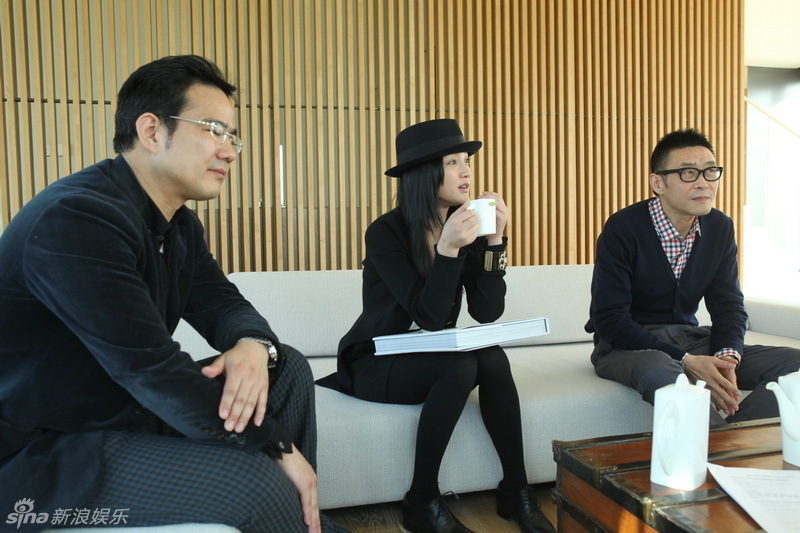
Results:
<point x="560" y="398"/>
<point x="308" y="310"/>
<point x="313" y="310"/>
<point x="560" y="293"/>
<point x="776" y="318"/>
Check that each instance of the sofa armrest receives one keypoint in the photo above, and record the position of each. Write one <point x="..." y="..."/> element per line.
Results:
<point x="774" y="318"/>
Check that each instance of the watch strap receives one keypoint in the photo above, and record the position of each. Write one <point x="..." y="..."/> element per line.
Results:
<point x="271" y="350"/>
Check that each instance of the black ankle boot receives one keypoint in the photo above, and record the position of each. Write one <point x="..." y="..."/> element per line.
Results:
<point x="521" y="507"/>
<point x="435" y="517"/>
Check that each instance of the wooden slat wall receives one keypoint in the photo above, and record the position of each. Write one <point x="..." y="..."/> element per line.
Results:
<point x="569" y="97"/>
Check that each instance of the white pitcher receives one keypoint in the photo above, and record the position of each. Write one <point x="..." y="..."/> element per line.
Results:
<point x="680" y="434"/>
<point x="787" y="391"/>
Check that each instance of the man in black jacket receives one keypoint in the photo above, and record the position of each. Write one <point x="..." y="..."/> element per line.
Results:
<point x="103" y="418"/>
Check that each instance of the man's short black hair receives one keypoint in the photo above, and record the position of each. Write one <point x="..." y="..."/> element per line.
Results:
<point x="673" y="141"/>
<point x="159" y="87"/>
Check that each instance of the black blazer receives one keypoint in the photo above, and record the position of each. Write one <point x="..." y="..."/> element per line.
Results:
<point x="89" y="304"/>
<point x="396" y="296"/>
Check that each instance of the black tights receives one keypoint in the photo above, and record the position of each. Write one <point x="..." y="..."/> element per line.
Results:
<point x="443" y="381"/>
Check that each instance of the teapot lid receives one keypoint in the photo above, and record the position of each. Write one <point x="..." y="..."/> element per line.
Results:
<point x="684" y="387"/>
<point x="790" y="379"/>
<point x="794" y="376"/>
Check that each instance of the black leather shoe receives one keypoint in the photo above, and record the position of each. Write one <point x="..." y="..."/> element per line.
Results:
<point x="435" y="517"/>
<point x="521" y="507"/>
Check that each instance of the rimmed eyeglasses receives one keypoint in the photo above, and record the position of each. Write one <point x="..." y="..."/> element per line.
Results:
<point x="217" y="131"/>
<point x="690" y="174"/>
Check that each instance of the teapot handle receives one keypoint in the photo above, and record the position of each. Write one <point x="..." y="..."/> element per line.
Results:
<point x="669" y="426"/>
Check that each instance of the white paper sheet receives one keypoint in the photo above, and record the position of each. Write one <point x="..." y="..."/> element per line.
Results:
<point x="770" y="497"/>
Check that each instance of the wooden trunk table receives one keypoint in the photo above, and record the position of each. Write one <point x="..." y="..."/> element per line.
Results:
<point x="603" y="485"/>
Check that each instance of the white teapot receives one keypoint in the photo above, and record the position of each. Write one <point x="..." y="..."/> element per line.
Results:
<point x="787" y="391"/>
<point x="680" y="434"/>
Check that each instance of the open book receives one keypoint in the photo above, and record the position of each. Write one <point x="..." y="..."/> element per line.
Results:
<point x="461" y="339"/>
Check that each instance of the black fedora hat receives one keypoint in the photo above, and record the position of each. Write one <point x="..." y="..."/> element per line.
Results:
<point x="428" y="140"/>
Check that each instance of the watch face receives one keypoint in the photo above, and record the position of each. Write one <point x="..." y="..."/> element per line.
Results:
<point x="273" y="356"/>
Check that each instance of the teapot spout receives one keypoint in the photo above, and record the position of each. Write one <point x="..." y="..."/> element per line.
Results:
<point x="790" y="415"/>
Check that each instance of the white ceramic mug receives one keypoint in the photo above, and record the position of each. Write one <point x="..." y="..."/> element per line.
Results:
<point x="485" y="209"/>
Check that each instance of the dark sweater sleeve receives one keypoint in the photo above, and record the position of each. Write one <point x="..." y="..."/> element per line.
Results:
<point x="610" y="313"/>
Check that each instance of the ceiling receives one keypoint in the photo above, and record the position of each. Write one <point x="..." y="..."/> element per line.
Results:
<point x="772" y="33"/>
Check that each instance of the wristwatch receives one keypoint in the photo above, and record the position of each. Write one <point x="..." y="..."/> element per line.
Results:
<point x="494" y="261"/>
<point x="271" y="350"/>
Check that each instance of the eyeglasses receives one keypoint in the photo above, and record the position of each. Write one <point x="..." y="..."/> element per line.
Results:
<point x="217" y="131"/>
<point x="689" y="174"/>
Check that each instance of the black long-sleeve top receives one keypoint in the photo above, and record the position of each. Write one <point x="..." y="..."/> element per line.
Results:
<point x="397" y="297"/>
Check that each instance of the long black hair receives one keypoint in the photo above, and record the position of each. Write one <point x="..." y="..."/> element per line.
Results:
<point x="418" y="202"/>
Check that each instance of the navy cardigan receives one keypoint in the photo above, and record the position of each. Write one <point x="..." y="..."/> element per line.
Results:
<point x="633" y="284"/>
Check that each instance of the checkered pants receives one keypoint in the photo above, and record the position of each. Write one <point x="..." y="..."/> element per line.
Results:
<point x="166" y="480"/>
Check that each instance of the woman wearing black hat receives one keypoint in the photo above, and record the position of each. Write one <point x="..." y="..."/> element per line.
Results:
<point x="420" y="258"/>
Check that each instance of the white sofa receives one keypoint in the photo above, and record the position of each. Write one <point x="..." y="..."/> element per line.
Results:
<point x="365" y="450"/>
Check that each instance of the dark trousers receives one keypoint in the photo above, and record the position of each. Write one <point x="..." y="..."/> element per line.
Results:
<point x="442" y="382"/>
<point x="648" y="370"/>
<point x="170" y="479"/>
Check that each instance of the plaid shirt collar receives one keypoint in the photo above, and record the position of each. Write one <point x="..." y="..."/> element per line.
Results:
<point x="676" y="248"/>
<point x="666" y="231"/>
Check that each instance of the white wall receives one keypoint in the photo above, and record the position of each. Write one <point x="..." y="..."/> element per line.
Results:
<point x="771" y="243"/>
<point x="771" y="38"/>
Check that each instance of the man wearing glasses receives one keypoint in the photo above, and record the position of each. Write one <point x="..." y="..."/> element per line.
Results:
<point x="99" y="407"/>
<point x="655" y="261"/>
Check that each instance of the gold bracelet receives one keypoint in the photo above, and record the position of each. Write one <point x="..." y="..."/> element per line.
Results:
<point x="494" y="261"/>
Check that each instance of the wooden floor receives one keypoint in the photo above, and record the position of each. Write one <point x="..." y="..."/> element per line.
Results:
<point x="476" y="510"/>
